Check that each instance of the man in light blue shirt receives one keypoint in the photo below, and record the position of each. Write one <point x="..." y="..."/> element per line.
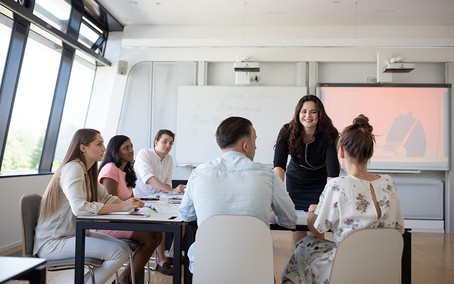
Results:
<point x="234" y="184"/>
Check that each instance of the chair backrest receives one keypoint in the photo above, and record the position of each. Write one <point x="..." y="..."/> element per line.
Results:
<point x="233" y="249"/>
<point x="368" y="256"/>
<point x="29" y="211"/>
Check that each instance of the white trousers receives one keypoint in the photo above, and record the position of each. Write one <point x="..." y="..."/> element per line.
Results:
<point x="97" y="245"/>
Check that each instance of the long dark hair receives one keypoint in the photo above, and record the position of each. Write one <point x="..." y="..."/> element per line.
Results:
<point x="294" y="129"/>
<point x="111" y="155"/>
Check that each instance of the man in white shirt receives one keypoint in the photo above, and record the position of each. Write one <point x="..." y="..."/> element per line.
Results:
<point x="234" y="184"/>
<point x="154" y="168"/>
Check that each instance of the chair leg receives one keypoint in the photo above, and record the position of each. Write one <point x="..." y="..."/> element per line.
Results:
<point x="92" y="274"/>
<point x="149" y="272"/>
<point x="131" y="263"/>
<point x="149" y="267"/>
<point x="155" y="259"/>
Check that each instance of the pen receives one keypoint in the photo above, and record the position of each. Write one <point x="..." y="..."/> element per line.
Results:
<point x="150" y="198"/>
<point x="154" y="209"/>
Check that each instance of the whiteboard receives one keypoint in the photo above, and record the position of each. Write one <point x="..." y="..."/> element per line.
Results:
<point x="200" y="109"/>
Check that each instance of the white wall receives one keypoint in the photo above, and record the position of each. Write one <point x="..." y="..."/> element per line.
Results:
<point x="11" y="189"/>
<point x="335" y="54"/>
<point x="292" y="56"/>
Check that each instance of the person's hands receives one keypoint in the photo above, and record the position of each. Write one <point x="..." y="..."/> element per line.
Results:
<point x="131" y="203"/>
<point x="311" y="218"/>
<point x="179" y="189"/>
<point x="312" y="208"/>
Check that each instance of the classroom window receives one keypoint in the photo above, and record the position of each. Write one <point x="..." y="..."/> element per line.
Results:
<point x="76" y="105"/>
<point x="5" y="34"/>
<point x="89" y="35"/>
<point x="29" y="119"/>
<point x="54" y="12"/>
<point x="32" y="105"/>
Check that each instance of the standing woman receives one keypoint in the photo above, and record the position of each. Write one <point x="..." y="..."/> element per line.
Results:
<point x="356" y="201"/>
<point x="309" y="139"/>
<point x="118" y="177"/>
<point x="74" y="190"/>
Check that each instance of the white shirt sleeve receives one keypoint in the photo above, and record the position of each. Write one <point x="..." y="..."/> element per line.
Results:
<point x="143" y="166"/>
<point x="187" y="209"/>
<point x="169" y="172"/>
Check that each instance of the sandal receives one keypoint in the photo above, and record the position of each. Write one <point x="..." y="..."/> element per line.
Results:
<point x="165" y="269"/>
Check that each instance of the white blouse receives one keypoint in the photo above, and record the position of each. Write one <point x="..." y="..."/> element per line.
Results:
<point x="346" y="205"/>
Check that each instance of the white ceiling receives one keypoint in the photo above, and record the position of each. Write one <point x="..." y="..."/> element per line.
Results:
<point x="281" y="12"/>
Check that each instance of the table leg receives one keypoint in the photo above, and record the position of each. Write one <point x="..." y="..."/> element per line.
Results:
<point x="406" y="258"/>
<point x="177" y="255"/>
<point x="80" y="255"/>
<point x="188" y="241"/>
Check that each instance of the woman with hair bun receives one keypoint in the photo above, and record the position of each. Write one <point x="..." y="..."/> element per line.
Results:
<point x="355" y="201"/>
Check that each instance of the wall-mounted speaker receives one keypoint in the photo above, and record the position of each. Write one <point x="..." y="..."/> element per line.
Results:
<point x="122" y="68"/>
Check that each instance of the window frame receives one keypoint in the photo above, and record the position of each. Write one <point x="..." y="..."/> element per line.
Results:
<point x="23" y="18"/>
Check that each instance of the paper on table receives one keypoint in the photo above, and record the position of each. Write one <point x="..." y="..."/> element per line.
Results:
<point x="302" y="217"/>
<point x="122" y="212"/>
<point x="166" y="208"/>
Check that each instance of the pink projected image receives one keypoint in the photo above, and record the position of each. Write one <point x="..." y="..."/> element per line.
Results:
<point x="410" y="123"/>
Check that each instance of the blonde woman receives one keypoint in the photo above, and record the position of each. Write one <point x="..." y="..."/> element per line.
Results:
<point x="74" y="190"/>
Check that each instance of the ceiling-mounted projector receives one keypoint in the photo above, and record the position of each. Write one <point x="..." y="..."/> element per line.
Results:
<point x="246" y="67"/>
<point x="398" y="67"/>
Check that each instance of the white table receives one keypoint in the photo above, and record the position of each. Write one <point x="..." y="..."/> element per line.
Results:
<point x="22" y="268"/>
<point x="153" y="222"/>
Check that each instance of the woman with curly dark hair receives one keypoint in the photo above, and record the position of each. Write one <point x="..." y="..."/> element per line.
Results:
<point x="309" y="138"/>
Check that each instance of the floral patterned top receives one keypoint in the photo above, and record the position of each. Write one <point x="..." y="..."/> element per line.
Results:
<point x="346" y="204"/>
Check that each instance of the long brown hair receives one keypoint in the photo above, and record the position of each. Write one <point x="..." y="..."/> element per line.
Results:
<point x="295" y="130"/>
<point x="51" y="197"/>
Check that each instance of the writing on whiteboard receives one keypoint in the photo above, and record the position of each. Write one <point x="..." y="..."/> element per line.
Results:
<point x="200" y="109"/>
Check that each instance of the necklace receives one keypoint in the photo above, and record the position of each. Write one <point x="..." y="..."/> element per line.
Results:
<point x="308" y="140"/>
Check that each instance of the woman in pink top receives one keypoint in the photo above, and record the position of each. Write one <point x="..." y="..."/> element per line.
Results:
<point x="117" y="175"/>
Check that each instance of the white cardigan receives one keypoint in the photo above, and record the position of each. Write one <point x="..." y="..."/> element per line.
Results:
<point x="73" y="202"/>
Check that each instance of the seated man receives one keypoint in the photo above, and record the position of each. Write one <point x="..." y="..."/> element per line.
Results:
<point x="154" y="168"/>
<point x="234" y="184"/>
